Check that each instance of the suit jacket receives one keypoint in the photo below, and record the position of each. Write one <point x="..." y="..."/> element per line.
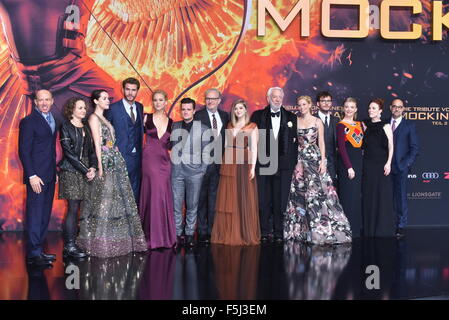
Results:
<point x="203" y="116"/>
<point x="120" y="120"/>
<point x="405" y="146"/>
<point x="287" y="142"/>
<point x="188" y="149"/>
<point x="37" y="147"/>
<point x="330" y="138"/>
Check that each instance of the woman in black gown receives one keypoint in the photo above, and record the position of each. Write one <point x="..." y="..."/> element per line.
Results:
<point x="349" y="165"/>
<point x="377" y="196"/>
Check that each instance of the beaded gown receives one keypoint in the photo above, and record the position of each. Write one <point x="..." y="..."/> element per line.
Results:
<point x="109" y="224"/>
<point x="313" y="213"/>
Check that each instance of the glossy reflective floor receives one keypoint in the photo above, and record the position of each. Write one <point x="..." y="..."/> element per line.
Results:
<point x="415" y="267"/>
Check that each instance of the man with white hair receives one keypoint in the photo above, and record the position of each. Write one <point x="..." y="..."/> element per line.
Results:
<point x="277" y="157"/>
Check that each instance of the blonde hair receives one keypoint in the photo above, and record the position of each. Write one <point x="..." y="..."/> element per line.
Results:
<point x="233" y="117"/>
<point x="159" y="91"/>
<point x="307" y="98"/>
<point x="349" y="99"/>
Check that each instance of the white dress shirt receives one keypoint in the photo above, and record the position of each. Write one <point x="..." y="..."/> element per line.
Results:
<point x="275" y="122"/>
<point x="219" y="122"/>
<point x="128" y="111"/>
<point x="398" y="121"/>
<point x="323" y="117"/>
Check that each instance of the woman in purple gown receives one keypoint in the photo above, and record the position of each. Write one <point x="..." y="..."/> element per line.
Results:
<point x="156" y="198"/>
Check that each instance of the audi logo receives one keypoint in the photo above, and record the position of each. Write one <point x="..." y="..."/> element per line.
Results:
<point x="430" y="175"/>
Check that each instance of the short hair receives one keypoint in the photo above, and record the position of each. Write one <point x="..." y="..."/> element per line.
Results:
<point x="70" y="106"/>
<point x="403" y="103"/>
<point x="379" y="102"/>
<point x="233" y="117"/>
<point x="96" y="94"/>
<point x="322" y="94"/>
<point x="34" y="94"/>
<point x="187" y="101"/>
<point x="131" y="81"/>
<point x="270" y="91"/>
<point x="307" y="98"/>
<point x="215" y="90"/>
<point x="159" y="91"/>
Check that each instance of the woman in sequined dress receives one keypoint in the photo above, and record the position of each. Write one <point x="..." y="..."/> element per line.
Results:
<point x="313" y="213"/>
<point x="110" y="225"/>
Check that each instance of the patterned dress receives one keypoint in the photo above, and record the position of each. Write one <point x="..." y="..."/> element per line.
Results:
<point x="313" y="212"/>
<point x="110" y="225"/>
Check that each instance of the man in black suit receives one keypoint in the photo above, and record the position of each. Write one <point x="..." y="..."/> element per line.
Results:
<point x="217" y="120"/>
<point x="324" y="104"/>
<point x="37" y="152"/>
<point x="406" y="148"/>
<point x="277" y="157"/>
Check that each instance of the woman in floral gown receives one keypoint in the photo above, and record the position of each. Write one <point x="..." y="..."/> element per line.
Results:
<point x="313" y="212"/>
<point x="109" y="225"/>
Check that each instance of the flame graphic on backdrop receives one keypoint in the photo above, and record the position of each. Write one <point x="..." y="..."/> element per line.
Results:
<point x="174" y="43"/>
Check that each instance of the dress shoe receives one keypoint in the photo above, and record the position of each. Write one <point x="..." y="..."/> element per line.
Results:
<point x="204" y="239"/>
<point x="278" y="239"/>
<point x="49" y="256"/>
<point x="38" y="261"/>
<point x="400" y="233"/>
<point x="190" y="242"/>
<point x="264" y="239"/>
<point x="71" y="251"/>
<point x="180" y="240"/>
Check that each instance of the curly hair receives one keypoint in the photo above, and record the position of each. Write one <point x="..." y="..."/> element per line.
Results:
<point x="70" y="106"/>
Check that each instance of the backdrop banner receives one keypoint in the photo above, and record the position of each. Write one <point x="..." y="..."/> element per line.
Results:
<point x="351" y="48"/>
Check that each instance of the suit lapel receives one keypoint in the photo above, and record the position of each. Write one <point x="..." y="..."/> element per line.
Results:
<point x="44" y="122"/>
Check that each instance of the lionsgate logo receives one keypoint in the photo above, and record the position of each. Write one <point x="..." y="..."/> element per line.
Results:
<point x="428" y="195"/>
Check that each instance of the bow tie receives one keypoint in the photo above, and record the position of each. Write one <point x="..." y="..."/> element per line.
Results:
<point x="275" y="114"/>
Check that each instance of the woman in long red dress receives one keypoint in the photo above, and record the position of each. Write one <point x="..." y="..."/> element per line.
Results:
<point x="237" y="210"/>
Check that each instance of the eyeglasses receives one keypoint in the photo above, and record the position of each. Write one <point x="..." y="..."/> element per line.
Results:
<point x="212" y="99"/>
<point x="325" y="101"/>
<point x="397" y="107"/>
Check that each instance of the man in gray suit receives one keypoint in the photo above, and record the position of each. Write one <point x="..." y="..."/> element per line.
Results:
<point x="188" y="168"/>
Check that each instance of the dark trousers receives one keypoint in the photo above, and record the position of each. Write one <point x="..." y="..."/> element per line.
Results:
<point x="134" y="167"/>
<point x="38" y="213"/>
<point x="400" y="198"/>
<point x="273" y="196"/>
<point x="208" y="197"/>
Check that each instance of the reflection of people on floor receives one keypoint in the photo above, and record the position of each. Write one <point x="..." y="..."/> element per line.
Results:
<point x="313" y="272"/>
<point x="37" y="283"/>
<point x="117" y="278"/>
<point x="272" y="282"/>
<point x="206" y="281"/>
<point x="186" y="276"/>
<point x="158" y="277"/>
<point x="236" y="271"/>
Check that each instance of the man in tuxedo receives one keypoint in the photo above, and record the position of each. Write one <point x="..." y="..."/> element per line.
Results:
<point x="279" y="146"/>
<point x="217" y="120"/>
<point x="126" y="116"/>
<point x="37" y="152"/>
<point x="188" y="169"/>
<point x="406" y="147"/>
<point x="324" y="104"/>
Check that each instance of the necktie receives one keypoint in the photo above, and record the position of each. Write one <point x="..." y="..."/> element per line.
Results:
<point x="214" y="122"/>
<point x="133" y="117"/>
<point x="275" y="114"/>
<point x="326" y="121"/>
<point x="393" y="127"/>
<point x="48" y="118"/>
